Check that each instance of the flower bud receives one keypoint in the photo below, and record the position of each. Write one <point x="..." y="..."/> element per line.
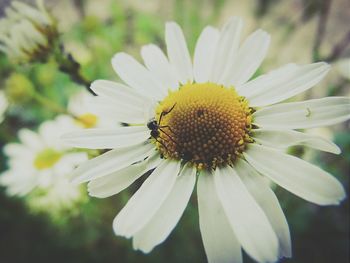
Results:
<point x="26" y="33"/>
<point x="18" y="88"/>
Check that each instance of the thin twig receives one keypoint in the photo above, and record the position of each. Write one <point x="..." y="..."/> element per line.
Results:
<point x="70" y="66"/>
<point x="339" y="48"/>
<point x="49" y="104"/>
<point x="321" y="28"/>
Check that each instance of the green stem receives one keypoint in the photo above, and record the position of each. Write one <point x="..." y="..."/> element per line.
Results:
<point x="70" y="66"/>
<point x="49" y="103"/>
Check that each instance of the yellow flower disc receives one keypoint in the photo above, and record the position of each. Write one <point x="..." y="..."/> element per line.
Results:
<point x="87" y="120"/>
<point x="47" y="159"/>
<point x="205" y="124"/>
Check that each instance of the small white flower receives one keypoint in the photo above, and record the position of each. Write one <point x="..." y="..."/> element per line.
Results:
<point x="82" y="106"/>
<point x="26" y="33"/>
<point x="210" y="121"/>
<point x="39" y="163"/>
<point x="3" y="105"/>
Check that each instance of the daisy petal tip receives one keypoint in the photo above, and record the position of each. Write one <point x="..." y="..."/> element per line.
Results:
<point x="77" y="180"/>
<point x="96" y="84"/>
<point x="210" y="28"/>
<point x="323" y="67"/>
<point x="146" y="47"/>
<point x="336" y="150"/>
<point x="234" y="21"/>
<point x="77" y="177"/>
<point x="92" y="193"/>
<point x="286" y="251"/>
<point x="171" y="24"/>
<point x="116" y="226"/>
<point x="136" y="246"/>
<point x="342" y="197"/>
<point x="326" y="67"/>
<point x="118" y="231"/>
<point x="338" y="197"/>
<point x="263" y="33"/>
<point x="117" y="58"/>
<point x="324" y="64"/>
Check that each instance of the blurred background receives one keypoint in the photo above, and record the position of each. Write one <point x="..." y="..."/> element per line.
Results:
<point x="302" y="31"/>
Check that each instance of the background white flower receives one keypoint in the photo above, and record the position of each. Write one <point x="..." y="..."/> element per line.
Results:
<point x="40" y="164"/>
<point x="83" y="106"/>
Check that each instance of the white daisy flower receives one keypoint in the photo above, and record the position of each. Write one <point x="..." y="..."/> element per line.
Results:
<point x="40" y="165"/>
<point x="207" y="119"/>
<point x="81" y="105"/>
<point x="27" y="33"/>
<point x="3" y="105"/>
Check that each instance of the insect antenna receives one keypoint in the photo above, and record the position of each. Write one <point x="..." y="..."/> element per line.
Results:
<point x="167" y="135"/>
<point x="166" y="126"/>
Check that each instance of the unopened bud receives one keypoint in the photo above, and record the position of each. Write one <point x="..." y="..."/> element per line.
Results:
<point x="18" y="88"/>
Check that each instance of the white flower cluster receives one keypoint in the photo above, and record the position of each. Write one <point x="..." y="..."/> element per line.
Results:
<point x="26" y="33"/>
<point x="39" y="165"/>
<point x="39" y="161"/>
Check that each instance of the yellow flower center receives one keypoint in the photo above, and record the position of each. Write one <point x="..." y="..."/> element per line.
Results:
<point x="202" y="123"/>
<point x="47" y="159"/>
<point x="87" y="120"/>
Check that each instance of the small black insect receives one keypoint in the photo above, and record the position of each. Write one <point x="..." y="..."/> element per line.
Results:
<point x="155" y="127"/>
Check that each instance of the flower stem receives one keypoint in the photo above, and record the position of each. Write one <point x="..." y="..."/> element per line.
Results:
<point x="49" y="103"/>
<point x="70" y="66"/>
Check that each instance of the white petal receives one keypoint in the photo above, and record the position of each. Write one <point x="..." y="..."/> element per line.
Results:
<point x="120" y="93"/>
<point x="178" y="53"/>
<point x="272" y="78"/>
<point x="227" y="48"/>
<point x="147" y="200"/>
<point x="267" y="200"/>
<point x="16" y="150"/>
<point x="249" y="222"/>
<point x="18" y="182"/>
<point x="286" y="138"/>
<point x="31" y="13"/>
<point x="169" y="214"/>
<point x="159" y="66"/>
<point x="111" y="161"/>
<point x="204" y="54"/>
<point x="107" y="138"/>
<point x="114" y="183"/>
<point x="304" y="114"/>
<point x="137" y="76"/>
<point x="283" y="83"/>
<point x="219" y="240"/>
<point x="250" y="56"/>
<point x="118" y="112"/>
<point x="69" y="161"/>
<point x="30" y="139"/>
<point x="297" y="176"/>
